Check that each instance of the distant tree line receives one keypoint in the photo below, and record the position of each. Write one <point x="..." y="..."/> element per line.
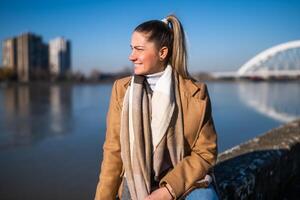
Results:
<point x="7" y="74"/>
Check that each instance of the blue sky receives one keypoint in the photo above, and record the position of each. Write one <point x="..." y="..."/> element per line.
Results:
<point x="222" y="35"/>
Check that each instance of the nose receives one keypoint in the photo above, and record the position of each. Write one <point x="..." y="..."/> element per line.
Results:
<point x="132" y="57"/>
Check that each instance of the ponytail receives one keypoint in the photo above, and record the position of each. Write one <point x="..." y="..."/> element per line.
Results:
<point x="178" y="57"/>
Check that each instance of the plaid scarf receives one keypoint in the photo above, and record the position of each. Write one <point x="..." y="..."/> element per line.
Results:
<point x="151" y="131"/>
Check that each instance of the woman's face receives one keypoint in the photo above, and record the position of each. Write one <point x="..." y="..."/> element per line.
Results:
<point x="147" y="59"/>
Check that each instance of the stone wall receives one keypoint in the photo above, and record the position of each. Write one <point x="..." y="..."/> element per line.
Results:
<point x="266" y="167"/>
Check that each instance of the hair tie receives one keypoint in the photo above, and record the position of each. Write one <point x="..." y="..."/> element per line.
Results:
<point x="164" y="20"/>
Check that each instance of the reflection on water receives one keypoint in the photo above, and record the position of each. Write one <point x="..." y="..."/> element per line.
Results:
<point x="50" y="140"/>
<point x="35" y="112"/>
<point x="276" y="100"/>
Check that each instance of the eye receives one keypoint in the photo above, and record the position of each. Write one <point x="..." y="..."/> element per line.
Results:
<point x="139" y="49"/>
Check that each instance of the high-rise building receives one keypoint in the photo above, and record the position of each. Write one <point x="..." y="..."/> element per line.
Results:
<point x="32" y="57"/>
<point x="9" y="53"/>
<point x="59" y="56"/>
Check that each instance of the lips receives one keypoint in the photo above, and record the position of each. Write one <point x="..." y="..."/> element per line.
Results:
<point x="137" y="64"/>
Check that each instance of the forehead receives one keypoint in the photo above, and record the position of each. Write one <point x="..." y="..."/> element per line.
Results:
<point x="140" y="39"/>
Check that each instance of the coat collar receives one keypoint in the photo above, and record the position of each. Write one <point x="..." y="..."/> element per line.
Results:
<point x="127" y="82"/>
<point x="189" y="87"/>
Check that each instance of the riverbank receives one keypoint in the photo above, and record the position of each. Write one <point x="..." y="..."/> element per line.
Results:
<point x="265" y="167"/>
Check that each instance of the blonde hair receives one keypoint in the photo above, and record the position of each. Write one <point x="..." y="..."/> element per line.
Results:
<point x="168" y="32"/>
<point x="179" y="53"/>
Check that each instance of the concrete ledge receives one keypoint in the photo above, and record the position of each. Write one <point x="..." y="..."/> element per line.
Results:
<point x="266" y="167"/>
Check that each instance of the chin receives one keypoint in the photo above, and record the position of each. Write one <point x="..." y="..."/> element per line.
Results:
<point x="138" y="71"/>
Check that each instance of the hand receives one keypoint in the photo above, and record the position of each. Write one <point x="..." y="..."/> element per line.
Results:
<point x="160" y="194"/>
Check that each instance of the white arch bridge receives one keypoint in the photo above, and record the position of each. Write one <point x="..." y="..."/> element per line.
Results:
<point x="282" y="60"/>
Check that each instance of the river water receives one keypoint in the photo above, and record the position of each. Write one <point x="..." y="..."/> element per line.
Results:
<point x="51" y="136"/>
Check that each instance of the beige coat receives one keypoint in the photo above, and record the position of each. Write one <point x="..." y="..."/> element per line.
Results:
<point x="199" y="133"/>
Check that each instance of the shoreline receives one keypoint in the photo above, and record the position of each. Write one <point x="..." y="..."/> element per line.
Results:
<point x="110" y="81"/>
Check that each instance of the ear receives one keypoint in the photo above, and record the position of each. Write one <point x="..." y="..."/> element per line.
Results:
<point x="163" y="52"/>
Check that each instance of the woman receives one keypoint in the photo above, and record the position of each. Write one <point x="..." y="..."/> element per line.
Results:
<point x="160" y="139"/>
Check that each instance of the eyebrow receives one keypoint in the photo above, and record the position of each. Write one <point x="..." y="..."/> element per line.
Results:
<point x="137" y="46"/>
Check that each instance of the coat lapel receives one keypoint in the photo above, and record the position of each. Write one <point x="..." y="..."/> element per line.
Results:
<point x="193" y="108"/>
<point x="122" y="91"/>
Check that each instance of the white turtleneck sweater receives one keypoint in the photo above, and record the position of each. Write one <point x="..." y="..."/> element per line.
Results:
<point x="153" y="78"/>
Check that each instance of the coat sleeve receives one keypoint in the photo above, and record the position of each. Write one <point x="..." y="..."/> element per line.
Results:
<point x="203" y="155"/>
<point x="111" y="167"/>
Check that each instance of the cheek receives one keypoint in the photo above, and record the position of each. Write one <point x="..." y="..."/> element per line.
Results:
<point x="150" y="58"/>
<point x="141" y="57"/>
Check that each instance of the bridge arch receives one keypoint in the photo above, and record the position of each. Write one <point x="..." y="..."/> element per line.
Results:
<point x="284" y="57"/>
